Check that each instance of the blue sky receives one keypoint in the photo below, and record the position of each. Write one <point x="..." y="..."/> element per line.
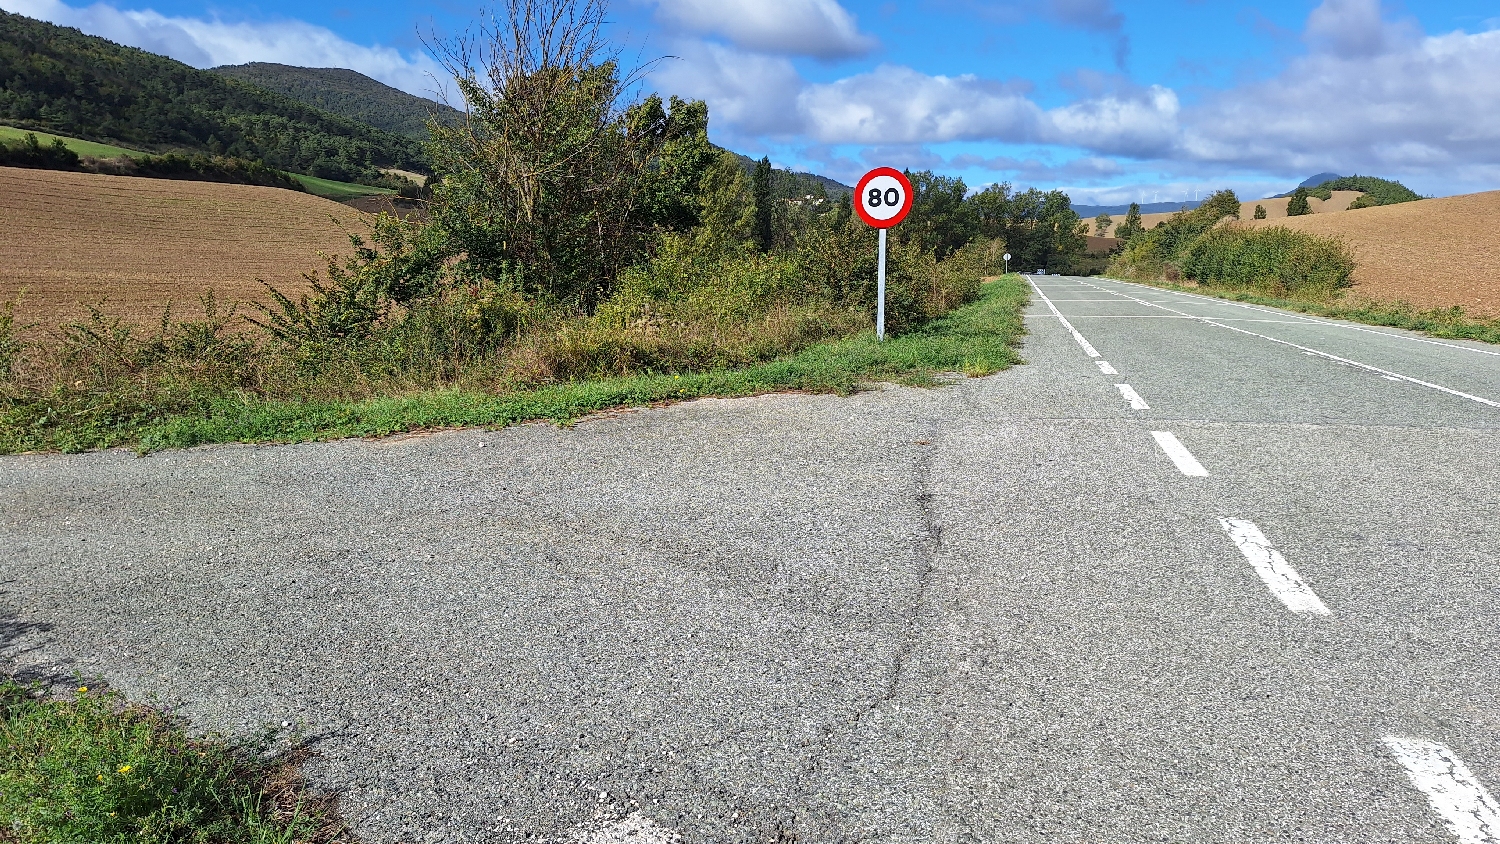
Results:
<point x="1111" y="100"/>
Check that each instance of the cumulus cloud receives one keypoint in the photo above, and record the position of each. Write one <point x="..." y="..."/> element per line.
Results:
<point x="819" y="28"/>
<point x="1369" y="95"/>
<point x="898" y="105"/>
<point x="208" y="43"/>
<point x="747" y="93"/>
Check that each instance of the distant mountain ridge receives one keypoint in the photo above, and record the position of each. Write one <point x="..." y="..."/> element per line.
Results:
<point x="347" y="93"/>
<point x="1088" y="211"/>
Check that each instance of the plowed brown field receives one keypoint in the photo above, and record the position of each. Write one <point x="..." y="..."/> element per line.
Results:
<point x="72" y="238"/>
<point x="1275" y="208"/>
<point x="1432" y="253"/>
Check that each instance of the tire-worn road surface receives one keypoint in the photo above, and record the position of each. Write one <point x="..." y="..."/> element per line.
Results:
<point x="998" y="611"/>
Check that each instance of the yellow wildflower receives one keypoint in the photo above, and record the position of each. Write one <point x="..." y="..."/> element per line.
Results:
<point x="124" y="769"/>
<point x="83" y="690"/>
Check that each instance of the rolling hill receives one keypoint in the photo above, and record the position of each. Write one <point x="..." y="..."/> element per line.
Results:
<point x="346" y="93"/>
<point x="58" y="80"/>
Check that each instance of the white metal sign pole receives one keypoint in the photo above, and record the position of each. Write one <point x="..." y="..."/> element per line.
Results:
<point x="880" y="293"/>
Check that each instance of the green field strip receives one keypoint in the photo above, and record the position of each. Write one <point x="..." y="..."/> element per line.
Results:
<point x="329" y="189"/>
<point x="88" y="148"/>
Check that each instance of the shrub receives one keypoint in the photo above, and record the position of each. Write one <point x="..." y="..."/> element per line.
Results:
<point x="1276" y="259"/>
<point x="1376" y="191"/>
<point x="29" y="152"/>
<point x="1260" y="212"/>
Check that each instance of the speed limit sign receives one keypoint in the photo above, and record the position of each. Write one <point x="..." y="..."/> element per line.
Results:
<point x="882" y="198"/>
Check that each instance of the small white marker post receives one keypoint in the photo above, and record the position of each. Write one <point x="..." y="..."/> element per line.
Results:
<point x="882" y="198"/>
<point x="1007" y="262"/>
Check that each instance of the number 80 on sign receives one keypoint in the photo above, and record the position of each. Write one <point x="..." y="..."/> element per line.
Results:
<point x="883" y="197"/>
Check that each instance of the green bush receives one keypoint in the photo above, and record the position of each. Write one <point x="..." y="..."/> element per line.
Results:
<point x="1278" y="260"/>
<point x="29" y="152"/>
<point x="1376" y="191"/>
<point x="1260" y="212"/>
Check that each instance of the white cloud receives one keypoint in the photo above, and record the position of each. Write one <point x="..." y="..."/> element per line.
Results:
<point x="898" y="105"/>
<point x="1376" y="99"/>
<point x="1140" y="126"/>
<point x="207" y="43"/>
<point x="819" y="28"/>
<point x="748" y="94"/>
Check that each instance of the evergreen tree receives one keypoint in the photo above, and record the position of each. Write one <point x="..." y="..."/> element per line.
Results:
<point x="764" y="204"/>
<point x="1260" y="212"/>
<point x="1132" y="225"/>
<point x="1297" y="206"/>
<point x="1102" y="224"/>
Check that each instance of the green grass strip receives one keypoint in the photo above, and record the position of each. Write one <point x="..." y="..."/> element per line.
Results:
<point x="1447" y="323"/>
<point x="88" y="148"/>
<point x="977" y="339"/>
<point x="329" y="189"/>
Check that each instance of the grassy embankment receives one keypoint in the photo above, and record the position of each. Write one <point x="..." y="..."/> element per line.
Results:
<point x="83" y="148"/>
<point x="977" y="339"/>
<point x="1275" y="266"/>
<point x="90" y="768"/>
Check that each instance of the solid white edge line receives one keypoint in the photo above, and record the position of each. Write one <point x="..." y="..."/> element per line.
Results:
<point x="1354" y="363"/>
<point x="1130" y="395"/>
<point x="1311" y="320"/>
<point x="1278" y="575"/>
<point x="1452" y="790"/>
<point x="1092" y="352"/>
<point x="1105" y="368"/>
<point x="1186" y="462"/>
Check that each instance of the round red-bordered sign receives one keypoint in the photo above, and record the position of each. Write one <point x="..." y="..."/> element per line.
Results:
<point x="883" y="197"/>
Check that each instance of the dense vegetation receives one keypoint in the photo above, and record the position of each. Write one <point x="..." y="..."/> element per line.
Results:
<point x="571" y="235"/>
<point x="29" y="152"/>
<point x="59" y="80"/>
<point x="1203" y="245"/>
<point x="1376" y="191"/>
<point x="348" y="94"/>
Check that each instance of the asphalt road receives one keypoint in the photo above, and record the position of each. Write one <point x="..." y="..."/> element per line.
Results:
<point x="998" y="611"/>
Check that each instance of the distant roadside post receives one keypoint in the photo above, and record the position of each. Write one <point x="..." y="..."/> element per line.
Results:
<point x="882" y="198"/>
<point x="1007" y="262"/>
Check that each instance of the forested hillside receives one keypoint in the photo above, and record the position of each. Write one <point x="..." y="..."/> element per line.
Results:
<point x="59" y="80"/>
<point x="347" y="93"/>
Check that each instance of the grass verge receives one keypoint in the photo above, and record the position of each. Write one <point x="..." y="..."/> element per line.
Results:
<point x="87" y="148"/>
<point x="329" y="189"/>
<point x="91" y="768"/>
<point x="976" y="339"/>
<point x="1447" y="323"/>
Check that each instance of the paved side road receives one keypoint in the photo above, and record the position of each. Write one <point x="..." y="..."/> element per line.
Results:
<point x="1198" y="572"/>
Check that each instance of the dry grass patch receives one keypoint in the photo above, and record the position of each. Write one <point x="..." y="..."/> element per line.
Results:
<point x="74" y="238"/>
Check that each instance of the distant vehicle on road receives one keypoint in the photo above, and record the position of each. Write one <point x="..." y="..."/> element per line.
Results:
<point x="1041" y="272"/>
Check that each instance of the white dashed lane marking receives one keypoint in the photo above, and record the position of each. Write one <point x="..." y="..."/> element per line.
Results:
<point x="1305" y="349"/>
<point x="1136" y="402"/>
<point x="1186" y="462"/>
<point x="1088" y="349"/>
<point x="1458" y="796"/>
<point x="1278" y="575"/>
<point x="1105" y="368"/>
